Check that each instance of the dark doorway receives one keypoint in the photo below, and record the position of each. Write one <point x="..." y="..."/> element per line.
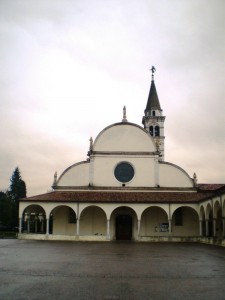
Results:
<point x="124" y="227"/>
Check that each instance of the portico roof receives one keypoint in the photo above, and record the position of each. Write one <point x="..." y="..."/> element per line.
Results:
<point x="121" y="197"/>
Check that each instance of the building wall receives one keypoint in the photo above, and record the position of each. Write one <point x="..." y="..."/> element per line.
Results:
<point x="93" y="221"/>
<point x="76" y="175"/>
<point x="61" y="223"/>
<point x="93" y="218"/>
<point x="173" y="176"/>
<point x="152" y="222"/>
<point x="124" y="137"/>
<point x="104" y="166"/>
<point x="190" y="223"/>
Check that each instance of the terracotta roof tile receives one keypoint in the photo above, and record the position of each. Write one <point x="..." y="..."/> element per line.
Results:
<point x="210" y="186"/>
<point x="123" y="197"/>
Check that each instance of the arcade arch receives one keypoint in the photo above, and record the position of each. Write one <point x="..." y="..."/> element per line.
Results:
<point x="218" y="221"/>
<point x="93" y="221"/>
<point x="123" y="223"/>
<point x="209" y="220"/>
<point x="154" y="222"/>
<point x="202" y="220"/>
<point x="185" y="222"/>
<point x="34" y="219"/>
<point x="62" y="221"/>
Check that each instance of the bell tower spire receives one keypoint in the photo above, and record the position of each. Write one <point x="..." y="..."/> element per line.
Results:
<point x="153" y="119"/>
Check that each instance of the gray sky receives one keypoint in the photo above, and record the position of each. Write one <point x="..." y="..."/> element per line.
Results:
<point x="69" y="66"/>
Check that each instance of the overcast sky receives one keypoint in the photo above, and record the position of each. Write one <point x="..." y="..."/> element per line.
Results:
<point x="69" y="66"/>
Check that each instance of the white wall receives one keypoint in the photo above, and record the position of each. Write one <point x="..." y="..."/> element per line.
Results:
<point x="61" y="223"/>
<point x="93" y="221"/>
<point x="173" y="176"/>
<point x="76" y="175"/>
<point x="104" y="166"/>
<point x="124" y="137"/>
<point x="151" y="220"/>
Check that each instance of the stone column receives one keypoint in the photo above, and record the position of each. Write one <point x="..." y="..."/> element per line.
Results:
<point x="170" y="226"/>
<point x="207" y="227"/>
<point x="214" y="227"/>
<point x="42" y="225"/>
<point x="200" y="228"/>
<point x="139" y="227"/>
<point x="28" y="225"/>
<point x="108" y="230"/>
<point x="20" y="225"/>
<point x="47" y="226"/>
<point x="36" y="224"/>
<point x="78" y="227"/>
<point x="223" y="220"/>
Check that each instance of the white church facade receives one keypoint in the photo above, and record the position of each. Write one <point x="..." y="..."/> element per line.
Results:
<point x="126" y="191"/>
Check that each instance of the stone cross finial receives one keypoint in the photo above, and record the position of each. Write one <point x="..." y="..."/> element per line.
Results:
<point x="153" y="69"/>
<point x="124" y="114"/>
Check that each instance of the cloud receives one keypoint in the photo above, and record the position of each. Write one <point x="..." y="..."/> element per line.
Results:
<point x="68" y="67"/>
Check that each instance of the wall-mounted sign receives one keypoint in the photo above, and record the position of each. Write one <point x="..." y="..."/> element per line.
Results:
<point x="164" y="227"/>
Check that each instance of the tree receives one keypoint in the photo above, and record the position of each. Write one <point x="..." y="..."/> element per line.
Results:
<point x="17" y="187"/>
<point x="17" y="190"/>
<point x="5" y="211"/>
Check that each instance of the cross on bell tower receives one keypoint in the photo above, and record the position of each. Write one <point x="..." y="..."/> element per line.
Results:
<point x="153" y="119"/>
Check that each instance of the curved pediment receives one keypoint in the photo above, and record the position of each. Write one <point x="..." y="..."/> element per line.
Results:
<point x="124" y="137"/>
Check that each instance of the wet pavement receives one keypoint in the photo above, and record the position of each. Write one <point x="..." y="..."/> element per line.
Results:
<point x="110" y="270"/>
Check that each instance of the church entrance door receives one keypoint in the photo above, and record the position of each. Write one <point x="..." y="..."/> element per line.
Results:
<point x="123" y="227"/>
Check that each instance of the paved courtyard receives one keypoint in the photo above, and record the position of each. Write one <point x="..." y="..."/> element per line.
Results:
<point x="113" y="270"/>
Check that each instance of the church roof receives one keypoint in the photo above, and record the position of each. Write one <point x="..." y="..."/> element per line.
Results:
<point x="121" y="197"/>
<point x="153" y="100"/>
<point x="210" y="186"/>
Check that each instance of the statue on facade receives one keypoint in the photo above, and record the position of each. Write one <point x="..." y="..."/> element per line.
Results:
<point x="195" y="179"/>
<point x="55" y="178"/>
<point x="90" y="147"/>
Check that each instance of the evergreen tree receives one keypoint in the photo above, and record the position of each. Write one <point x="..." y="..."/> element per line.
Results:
<point x="5" y="211"/>
<point x="17" y="190"/>
<point x="17" y="186"/>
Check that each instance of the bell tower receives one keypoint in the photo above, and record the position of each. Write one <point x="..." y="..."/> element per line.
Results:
<point x="153" y="119"/>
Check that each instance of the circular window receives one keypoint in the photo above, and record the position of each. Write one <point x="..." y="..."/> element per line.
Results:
<point x="124" y="172"/>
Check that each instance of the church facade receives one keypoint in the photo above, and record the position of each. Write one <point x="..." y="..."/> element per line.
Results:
<point x="125" y="190"/>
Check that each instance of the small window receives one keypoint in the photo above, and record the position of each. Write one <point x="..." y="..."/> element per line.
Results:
<point x="151" y="130"/>
<point x="157" y="131"/>
<point x="179" y="217"/>
<point x="153" y="113"/>
<point x="72" y="217"/>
